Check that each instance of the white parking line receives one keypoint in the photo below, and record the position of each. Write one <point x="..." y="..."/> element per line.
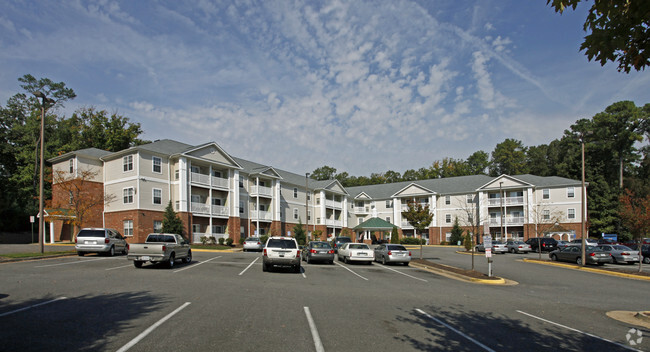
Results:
<point x="454" y="330"/>
<point x="314" y="332"/>
<point x="151" y="328"/>
<point x="32" y="306"/>
<point x="68" y="263"/>
<point x="249" y="265"/>
<point x="118" y="267"/>
<point x="578" y="331"/>
<point x="195" y="265"/>
<point x="399" y="272"/>
<point x="346" y="268"/>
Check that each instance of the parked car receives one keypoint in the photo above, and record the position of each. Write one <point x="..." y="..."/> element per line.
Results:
<point x="357" y="252"/>
<point x="645" y="252"/>
<point x="518" y="247"/>
<point x="318" y="251"/>
<point x="253" y="244"/>
<point x="392" y="253"/>
<point x="497" y="247"/>
<point x="593" y="255"/>
<point x="606" y="241"/>
<point x="588" y="241"/>
<point x="562" y="244"/>
<point x="100" y="240"/>
<point x="546" y="244"/>
<point x="281" y="251"/>
<point x="621" y="254"/>
<point x="339" y="241"/>
<point x="160" y="248"/>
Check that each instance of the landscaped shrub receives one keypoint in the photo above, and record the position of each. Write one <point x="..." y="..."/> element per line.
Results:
<point x="229" y="241"/>
<point x="444" y="243"/>
<point x="221" y="240"/>
<point x="412" y="240"/>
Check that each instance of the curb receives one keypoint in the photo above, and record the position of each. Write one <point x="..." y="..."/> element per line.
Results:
<point x="25" y="259"/>
<point x="455" y="276"/>
<point x="591" y="270"/>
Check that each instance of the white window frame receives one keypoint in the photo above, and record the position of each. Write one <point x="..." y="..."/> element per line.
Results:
<point x="469" y="199"/>
<point x="159" y="164"/>
<point x="389" y="204"/>
<point x="127" y="226"/>
<point x="546" y="214"/>
<point x="71" y="166"/>
<point x="157" y="229"/>
<point x="447" y="200"/>
<point x="447" y="218"/>
<point x="571" y="213"/>
<point x="546" y="193"/>
<point x="295" y="192"/>
<point x="153" y="196"/>
<point x="295" y="214"/>
<point x="128" y="195"/>
<point x="308" y="215"/>
<point x="127" y="163"/>
<point x="241" y="207"/>
<point x="571" y="192"/>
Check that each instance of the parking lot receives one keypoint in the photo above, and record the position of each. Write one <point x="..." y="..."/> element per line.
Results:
<point x="223" y="301"/>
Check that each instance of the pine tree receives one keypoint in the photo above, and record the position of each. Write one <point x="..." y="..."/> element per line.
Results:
<point x="171" y="222"/>
<point x="394" y="236"/>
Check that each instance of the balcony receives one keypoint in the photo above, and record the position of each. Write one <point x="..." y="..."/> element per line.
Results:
<point x="335" y="223"/>
<point x="196" y="177"/>
<point x="219" y="182"/>
<point x="362" y="210"/>
<point x="205" y="209"/>
<point x="333" y="204"/>
<point x="196" y="236"/>
<point x="507" y="201"/>
<point x="261" y="191"/>
<point x="405" y="207"/>
<point x="207" y="180"/>
<point x="406" y="225"/>
<point x="510" y="221"/>
<point x="261" y="215"/>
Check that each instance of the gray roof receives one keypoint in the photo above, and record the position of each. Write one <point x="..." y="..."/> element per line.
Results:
<point x="88" y="152"/>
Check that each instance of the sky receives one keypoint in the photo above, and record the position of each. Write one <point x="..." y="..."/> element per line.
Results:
<point x="361" y="86"/>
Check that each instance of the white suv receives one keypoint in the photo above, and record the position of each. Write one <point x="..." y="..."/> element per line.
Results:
<point x="281" y="251"/>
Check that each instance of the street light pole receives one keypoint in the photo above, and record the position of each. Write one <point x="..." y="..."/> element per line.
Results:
<point x="503" y="218"/>
<point x="307" y="203"/>
<point x="45" y="103"/>
<point x="582" y="201"/>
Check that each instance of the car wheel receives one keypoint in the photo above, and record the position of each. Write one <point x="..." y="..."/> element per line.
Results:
<point x="188" y="259"/>
<point x="170" y="262"/>
<point x="554" y="258"/>
<point x="265" y="267"/>
<point x="297" y="269"/>
<point x="345" y="260"/>
<point x="111" y="252"/>
<point x="308" y="260"/>
<point x="512" y="250"/>
<point x="332" y="261"/>
<point x="81" y="254"/>
<point x="601" y="264"/>
<point x="137" y="264"/>
<point x="614" y="261"/>
<point x="579" y="261"/>
<point x="646" y="260"/>
<point x="406" y="264"/>
<point x="383" y="260"/>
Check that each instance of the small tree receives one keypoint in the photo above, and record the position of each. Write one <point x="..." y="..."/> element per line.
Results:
<point x="299" y="233"/>
<point x="171" y="222"/>
<point x="317" y="234"/>
<point x="456" y="232"/>
<point x="419" y="217"/>
<point x="468" y="242"/>
<point x="394" y="236"/>
<point x="635" y="215"/>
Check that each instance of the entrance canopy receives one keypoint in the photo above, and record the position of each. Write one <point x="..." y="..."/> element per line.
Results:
<point x="371" y="225"/>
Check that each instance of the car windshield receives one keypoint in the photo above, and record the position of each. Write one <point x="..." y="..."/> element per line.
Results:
<point x="160" y="238"/>
<point x="343" y="240"/>
<point x="91" y="233"/>
<point x="320" y="245"/>
<point x="279" y="243"/>
<point x="358" y="246"/>
<point x="396" y="248"/>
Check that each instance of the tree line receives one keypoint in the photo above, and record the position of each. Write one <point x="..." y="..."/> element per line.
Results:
<point x="20" y="120"/>
<point x="616" y="161"/>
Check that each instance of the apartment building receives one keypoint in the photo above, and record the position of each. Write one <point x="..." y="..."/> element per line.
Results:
<point x="216" y="194"/>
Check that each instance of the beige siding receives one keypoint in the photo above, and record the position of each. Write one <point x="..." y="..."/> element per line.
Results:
<point x="117" y="190"/>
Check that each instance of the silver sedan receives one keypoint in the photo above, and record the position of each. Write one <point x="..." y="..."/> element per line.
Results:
<point x="392" y="253"/>
<point x="253" y="244"/>
<point x="518" y="247"/>
<point x="497" y="247"/>
<point x="621" y="254"/>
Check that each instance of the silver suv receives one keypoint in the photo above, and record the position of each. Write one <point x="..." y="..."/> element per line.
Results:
<point x="98" y="240"/>
<point x="281" y="251"/>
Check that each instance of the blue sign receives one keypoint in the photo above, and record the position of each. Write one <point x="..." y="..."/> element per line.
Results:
<point x="612" y="237"/>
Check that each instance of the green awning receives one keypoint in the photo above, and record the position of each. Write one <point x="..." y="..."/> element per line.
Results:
<point x="374" y="224"/>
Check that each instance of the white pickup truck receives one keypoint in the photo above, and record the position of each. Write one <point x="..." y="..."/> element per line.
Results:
<point x="160" y="248"/>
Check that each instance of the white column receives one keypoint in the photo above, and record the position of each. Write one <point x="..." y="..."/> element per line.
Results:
<point x="52" y="232"/>
<point x="183" y="185"/>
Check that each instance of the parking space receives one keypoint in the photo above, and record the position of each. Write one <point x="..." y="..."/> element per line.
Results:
<point x="220" y="299"/>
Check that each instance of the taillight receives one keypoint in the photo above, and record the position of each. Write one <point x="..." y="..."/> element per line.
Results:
<point x="592" y="254"/>
<point x="313" y="251"/>
<point x="521" y="246"/>
<point x="75" y="240"/>
<point x="331" y="251"/>
<point x="625" y="253"/>
<point x="265" y="252"/>
<point x="298" y="254"/>
<point x="259" y="242"/>
<point x="390" y="253"/>
<point x="128" y="247"/>
<point x="164" y="248"/>
<point x="409" y="253"/>
<point x="107" y="241"/>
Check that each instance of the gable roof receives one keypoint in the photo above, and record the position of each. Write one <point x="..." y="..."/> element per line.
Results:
<point x="92" y="153"/>
<point x="374" y="224"/>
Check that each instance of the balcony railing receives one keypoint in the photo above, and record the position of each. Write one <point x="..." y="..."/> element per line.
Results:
<point x="406" y="225"/>
<point x="261" y="215"/>
<point x="219" y="210"/>
<point x="219" y="182"/>
<point x="361" y="210"/>
<point x="510" y="220"/>
<point x="208" y="180"/>
<point x="333" y="204"/>
<point x="202" y="208"/>
<point x="196" y="236"/>
<point x="262" y="191"/>
<point x="507" y="201"/>
<point x="337" y="223"/>
<point x="405" y="207"/>
<point x="200" y="178"/>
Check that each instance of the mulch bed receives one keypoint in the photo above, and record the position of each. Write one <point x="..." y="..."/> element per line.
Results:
<point x="469" y="273"/>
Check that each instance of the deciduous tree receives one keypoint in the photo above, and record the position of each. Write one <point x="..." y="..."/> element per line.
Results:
<point x="419" y="217"/>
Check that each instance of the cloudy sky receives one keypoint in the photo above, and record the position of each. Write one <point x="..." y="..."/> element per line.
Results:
<point x="360" y="86"/>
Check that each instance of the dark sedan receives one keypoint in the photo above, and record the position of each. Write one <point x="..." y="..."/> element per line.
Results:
<point x="593" y="255"/>
<point x="318" y="251"/>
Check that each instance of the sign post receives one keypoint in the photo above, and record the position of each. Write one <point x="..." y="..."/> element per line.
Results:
<point x="487" y="244"/>
<point x="31" y="219"/>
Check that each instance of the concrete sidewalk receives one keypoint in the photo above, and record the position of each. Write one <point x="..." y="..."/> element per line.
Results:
<point x="35" y="248"/>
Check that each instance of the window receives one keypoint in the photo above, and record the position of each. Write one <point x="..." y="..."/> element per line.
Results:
<point x="546" y="193"/>
<point x="262" y="207"/>
<point x="157" y="196"/>
<point x="71" y="165"/>
<point x="177" y="174"/>
<point x="546" y="214"/>
<point x="241" y="207"/>
<point x="216" y="173"/>
<point x="308" y="195"/>
<point x="128" y="195"/>
<point x="388" y="219"/>
<point x="157" y="226"/>
<point x="470" y="198"/>
<point x="447" y="200"/>
<point x="389" y="204"/>
<point x="157" y="165"/>
<point x="128" y="227"/>
<point x="295" y="213"/>
<point x="216" y="201"/>
<point x="571" y="214"/>
<point x="196" y="228"/>
<point x="308" y="215"/>
<point x="295" y="192"/>
<point x="470" y="218"/>
<point x="570" y="192"/>
<point x="448" y="218"/>
<point x="127" y="163"/>
<point x="241" y="181"/>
